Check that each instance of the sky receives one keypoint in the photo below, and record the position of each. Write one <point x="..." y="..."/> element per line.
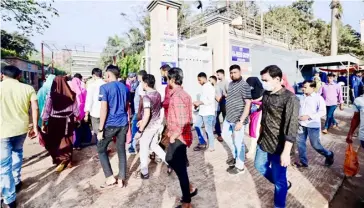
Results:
<point x="90" y="23"/>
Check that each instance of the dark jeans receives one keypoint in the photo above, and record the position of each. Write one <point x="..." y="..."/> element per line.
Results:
<point x="83" y="134"/>
<point x="330" y="120"/>
<point x="109" y="133"/>
<point x="269" y="165"/>
<point x="134" y="130"/>
<point x="222" y="111"/>
<point x="176" y="157"/>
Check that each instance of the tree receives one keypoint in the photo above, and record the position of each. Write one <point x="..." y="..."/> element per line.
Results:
<point x="335" y="20"/>
<point x="18" y="43"/>
<point x="29" y="14"/>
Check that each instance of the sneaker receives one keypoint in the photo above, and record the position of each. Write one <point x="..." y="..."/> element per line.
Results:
<point x="329" y="160"/>
<point x="132" y="152"/>
<point x="324" y="131"/>
<point x="18" y="186"/>
<point x="231" y="162"/>
<point x="236" y="171"/>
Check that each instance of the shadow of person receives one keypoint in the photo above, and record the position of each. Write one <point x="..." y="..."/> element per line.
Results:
<point x="35" y="158"/>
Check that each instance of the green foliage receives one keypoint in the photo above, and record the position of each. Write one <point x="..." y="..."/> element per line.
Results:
<point x="130" y="63"/>
<point x="18" y="43"/>
<point x="7" y="52"/>
<point x="29" y="15"/>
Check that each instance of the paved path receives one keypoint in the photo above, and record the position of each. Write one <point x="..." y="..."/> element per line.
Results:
<point x="78" y="186"/>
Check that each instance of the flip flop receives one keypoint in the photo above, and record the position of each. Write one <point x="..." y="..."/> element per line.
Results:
<point x="194" y="193"/>
<point x="105" y="185"/>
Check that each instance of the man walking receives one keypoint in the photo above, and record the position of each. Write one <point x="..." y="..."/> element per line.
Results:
<point x="14" y="118"/>
<point x="149" y="125"/>
<point x="139" y="93"/>
<point x="93" y="105"/>
<point x="113" y="122"/>
<point x="357" y="120"/>
<point x="218" y="97"/>
<point x="179" y="133"/>
<point x="312" y="108"/>
<point x="238" y="103"/>
<point x="279" y="127"/>
<point x="223" y="84"/>
<point x="332" y="93"/>
<point x="206" y="113"/>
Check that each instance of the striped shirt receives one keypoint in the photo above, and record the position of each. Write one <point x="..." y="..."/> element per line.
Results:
<point x="238" y="91"/>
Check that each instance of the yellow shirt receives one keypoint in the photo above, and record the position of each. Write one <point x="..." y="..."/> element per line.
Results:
<point x="15" y="103"/>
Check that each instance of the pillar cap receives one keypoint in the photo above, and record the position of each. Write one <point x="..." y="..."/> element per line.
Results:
<point x="168" y="3"/>
<point x="216" y="19"/>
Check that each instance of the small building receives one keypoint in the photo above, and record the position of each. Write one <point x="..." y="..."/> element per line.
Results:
<point x="31" y="73"/>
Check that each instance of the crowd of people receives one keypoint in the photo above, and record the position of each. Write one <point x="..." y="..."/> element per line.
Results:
<point x="133" y="112"/>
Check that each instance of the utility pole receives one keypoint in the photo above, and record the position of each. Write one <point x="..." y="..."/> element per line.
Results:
<point x="335" y="4"/>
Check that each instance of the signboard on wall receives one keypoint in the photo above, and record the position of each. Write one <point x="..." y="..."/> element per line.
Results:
<point x="170" y="64"/>
<point x="240" y="54"/>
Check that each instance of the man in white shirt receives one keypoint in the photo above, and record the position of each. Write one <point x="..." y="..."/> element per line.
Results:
<point x="206" y="114"/>
<point x="93" y="105"/>
<point x="312" y="108"/>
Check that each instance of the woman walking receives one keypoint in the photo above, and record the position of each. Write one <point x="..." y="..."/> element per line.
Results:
<point x="59" y="116"/>
<point x="83" y="132"/>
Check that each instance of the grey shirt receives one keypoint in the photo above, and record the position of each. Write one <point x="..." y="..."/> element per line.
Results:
<point x="224" y="85"/>
<point x="218" y="93"/>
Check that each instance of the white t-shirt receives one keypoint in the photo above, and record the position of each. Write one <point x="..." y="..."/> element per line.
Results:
<point x="208" y="99"/>
<point x="359" y="107"/>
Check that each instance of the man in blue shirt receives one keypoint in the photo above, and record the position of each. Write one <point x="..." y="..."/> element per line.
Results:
<point x="113" y="122"/>
<point x="356" y="84"/>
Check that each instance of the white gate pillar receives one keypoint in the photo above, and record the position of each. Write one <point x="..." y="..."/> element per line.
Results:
<point x="218" y="38"/>
<point x="164" y="37"/>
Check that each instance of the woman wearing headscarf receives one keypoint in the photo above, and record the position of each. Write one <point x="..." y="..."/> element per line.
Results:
<point x="83" y="132"/>
<point x="286" y="84"/>
<point x="59" y="117"/>
<point x="42" y="97"/>
<point x="255" y="113"/>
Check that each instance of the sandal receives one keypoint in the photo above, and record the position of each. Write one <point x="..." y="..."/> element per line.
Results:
<point x="105" y="185"/>
<point x="194" y="193"/>
<point x="60" y="167"/>
<point x="200" y="147"/>
<point x="152" y="156"/>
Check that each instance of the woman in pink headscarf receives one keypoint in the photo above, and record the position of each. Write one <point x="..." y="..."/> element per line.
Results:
<point x="286" y="84"/>
<point x="83" y="132"/>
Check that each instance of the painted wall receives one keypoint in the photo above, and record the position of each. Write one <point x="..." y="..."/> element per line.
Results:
<point x="30" y="70"/>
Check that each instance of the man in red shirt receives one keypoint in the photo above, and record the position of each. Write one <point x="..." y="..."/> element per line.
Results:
<point x="179" y="132"/>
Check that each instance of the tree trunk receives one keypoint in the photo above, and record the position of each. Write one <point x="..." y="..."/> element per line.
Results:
<point x="334" y="27"/>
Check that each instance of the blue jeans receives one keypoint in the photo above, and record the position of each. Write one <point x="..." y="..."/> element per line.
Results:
<point x="209" y="123"/>
<point x="314" y="135"/>
<point x="217" y="123"/>
<point x="330" y="120"/>
<point x="134" y="130"/>
<point x="269" y="165"/>
<point x="11" y="161"/>
<point x="236" y="145"/>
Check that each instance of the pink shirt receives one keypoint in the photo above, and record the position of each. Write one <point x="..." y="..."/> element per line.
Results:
<point x="332" y="94"/>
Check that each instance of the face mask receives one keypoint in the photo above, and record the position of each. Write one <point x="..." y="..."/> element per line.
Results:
<point x="268" y="86"/>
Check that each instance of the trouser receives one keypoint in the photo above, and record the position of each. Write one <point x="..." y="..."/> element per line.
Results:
<point x="330" y="120"/>
<point x="11" y="162"/>
<point x="236" y="145"/>
<point x="208" y="121"/>
<point x="222" y="110"/>
<point x="176" y="157"/>
<point x="149" y="141"/>
<point x="120" y="134"/>
<point x="134" y="130"/>
<point x="95" y="122"/>
<point x="314" y="135"/>
<point x="83" y="134"/>
<point x="269" y="165"/>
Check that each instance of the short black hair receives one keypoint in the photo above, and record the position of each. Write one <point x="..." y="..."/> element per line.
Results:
<point x="142" y="73"/>
<point x="165" y="67"/>
<point x="149" y="80"/>
<point x="312" y="83"/>
<point x="220" y="71"/>
<point x="234" y="66"/>
<point x="273" y="70"/>
<point x="11" y="71"/>
<point x="176" y="74"/>
<point x="331" y="75"/>
<point x="202" y="75"/>
<point x="113" y="69"/>
<point x="97" y="72"/>
<point x="213" y="77"/>
<point x="78" y="75"/>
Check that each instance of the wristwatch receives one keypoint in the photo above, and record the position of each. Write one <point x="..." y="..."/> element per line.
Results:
<point x="101" y="130"/>
<point x="140" y="132"/>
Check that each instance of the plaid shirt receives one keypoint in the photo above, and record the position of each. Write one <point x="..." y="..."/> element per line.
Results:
<point x="180" y="115"/>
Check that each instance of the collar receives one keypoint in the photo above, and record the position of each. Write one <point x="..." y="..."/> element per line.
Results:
<point x="177" y="89"/>
<point x="10" y="80"/>
<point x="312" y="95"/>
<point x="279" y="92"/>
